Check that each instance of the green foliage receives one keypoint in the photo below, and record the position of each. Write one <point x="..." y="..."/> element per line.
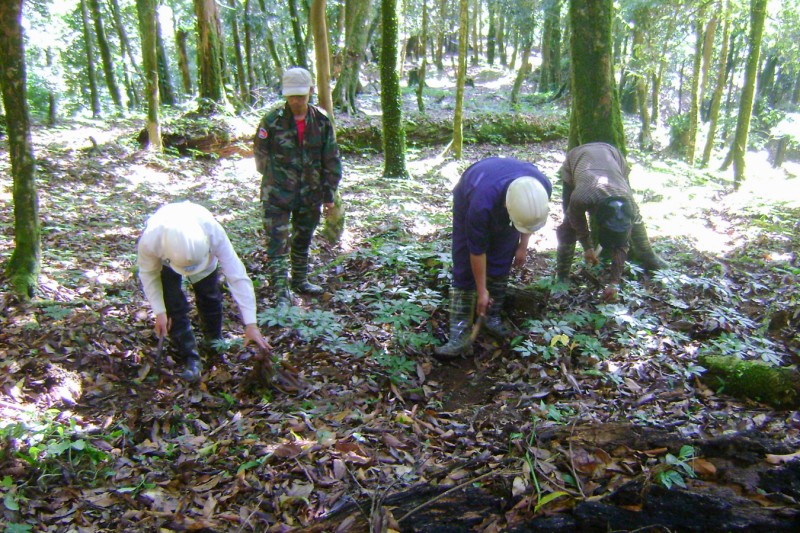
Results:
<point x="674" y="469"/>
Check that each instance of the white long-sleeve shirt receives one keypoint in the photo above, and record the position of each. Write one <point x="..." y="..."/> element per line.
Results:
<point x="151" y="256"/>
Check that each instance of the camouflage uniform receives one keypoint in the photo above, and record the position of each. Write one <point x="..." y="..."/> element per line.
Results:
<point x="591" y="173"/>
<point x="296" y="180"/>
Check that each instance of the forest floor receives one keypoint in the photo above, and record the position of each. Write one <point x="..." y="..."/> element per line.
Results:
<point x="593" y="418"/>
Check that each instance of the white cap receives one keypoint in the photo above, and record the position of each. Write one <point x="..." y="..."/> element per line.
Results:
<point x="186" y="247"/>
<point x="528" y="204"/>
<point x="296" y="82"/>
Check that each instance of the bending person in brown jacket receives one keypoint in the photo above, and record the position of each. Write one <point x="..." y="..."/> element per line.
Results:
<point x="595" y="180"/>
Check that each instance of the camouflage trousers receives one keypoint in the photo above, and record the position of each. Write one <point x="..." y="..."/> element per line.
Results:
<point x="287" y="229"/>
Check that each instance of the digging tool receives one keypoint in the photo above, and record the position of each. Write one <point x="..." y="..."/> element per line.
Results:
<point x="476" y="328"/>
<point x="160" y="353"/>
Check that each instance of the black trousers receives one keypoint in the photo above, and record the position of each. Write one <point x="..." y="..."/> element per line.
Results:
<point x="208" y="298"/>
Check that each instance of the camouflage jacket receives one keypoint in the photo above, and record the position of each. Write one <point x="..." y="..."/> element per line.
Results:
<point x="295" y="174"/>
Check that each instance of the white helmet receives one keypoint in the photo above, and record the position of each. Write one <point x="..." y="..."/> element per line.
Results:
<point x="186" y="247"/>
<point x="528" y="204"/>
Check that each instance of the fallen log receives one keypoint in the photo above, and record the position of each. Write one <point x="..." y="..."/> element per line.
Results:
<point x="776" y="386"/>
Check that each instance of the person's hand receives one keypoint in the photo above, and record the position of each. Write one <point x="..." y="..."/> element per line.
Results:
<point x="162" y="325"/>
<point x="253" y="334"/>
<point x="327" y="208"/>
<point x="520" y="256"/>
<point x="484" y="302"/>
<point x="590" y="256"/>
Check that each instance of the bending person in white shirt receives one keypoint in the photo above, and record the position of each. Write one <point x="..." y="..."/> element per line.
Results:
<point x="184" y="239"/>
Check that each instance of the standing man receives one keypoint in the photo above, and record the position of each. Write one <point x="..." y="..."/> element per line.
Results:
<point x="595" y="180"/>
<point x="497" y="204"/>
<point x="297" y="156"/>
<point x="184" y="240"/>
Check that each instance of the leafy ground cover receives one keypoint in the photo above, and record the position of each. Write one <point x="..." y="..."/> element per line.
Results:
<point x="591" y="409"/>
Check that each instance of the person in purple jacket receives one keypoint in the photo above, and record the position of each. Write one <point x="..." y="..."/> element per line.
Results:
<point x="497" y="204"/>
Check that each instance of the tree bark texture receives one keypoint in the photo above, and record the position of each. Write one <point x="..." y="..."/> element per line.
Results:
<point x="423" y="51"/>
<point x="183" y="60"/>
<point x="301" y="54"/>
<point x="758" y="12"/>
<point x="241" y="75"/>
<point x="394" y="136"/>
<point x="719" y="87"/>
<point x="147" y="29"/>
<point x="209" y="51"/>
<point x="90" y="62"/>
<point x="458" y="116"/>
<point x="595" y="106"/>
<point x="319" y="27"/>
<point x="25" y="263"/>
<point x="165" y="91"/>
<point x="776" y="386"/>
<point x="694" y="104"/>
<point x="355" y="44"/>
<point x="105" y="55"/>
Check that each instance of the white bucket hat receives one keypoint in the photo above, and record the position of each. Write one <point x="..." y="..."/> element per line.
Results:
<point x="528" y="204"/>
<point x="296" y="82"/>
<point x="186" y="248"/>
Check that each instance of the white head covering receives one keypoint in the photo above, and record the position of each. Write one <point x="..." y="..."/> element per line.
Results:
<point x="296" y="82"/>
<point x="528" y="204"/>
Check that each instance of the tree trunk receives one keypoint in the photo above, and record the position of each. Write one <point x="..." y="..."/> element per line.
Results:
<point x="708" y="52"/>
<point x="300" y="52"/>
<point x="695" y="86"/>
<point x="551" y="47"/>
<point x="440" y="36"/>
<point x="641" y="18"/>
<point x="105" y="55"/>
<point x="524" y="68"/>
<point x="394" y="137"/>
<point x="90" y="61"/>
<point x="423" y="45"/>
<point x="458" y="119"/>
<point x="719" y="87"/>
<point x="52" y="97"/>
<point x="501" y="38"/>
<point x="355" y="44"/>
<point x="595" y="106"/>
<point x="241" y="76"/>
<point x="147" y="29"/>
<point x="758" y="12"/>
<point x="476" y="7"/>
<point x="209" y="54"/>
<point x="25" y="263"/>
<point x="183" y="60"/>
<point x="165" y="91"/>
<point x="128" y="60"/>
<point x="491" y="37"/>
<point x="248" y="54"/>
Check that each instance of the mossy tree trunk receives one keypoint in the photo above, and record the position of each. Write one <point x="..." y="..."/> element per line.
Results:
<point x="183" y="60"/>
<point x="91" y="69"/>
<point x="248" y="54"/>
<point x="719" y="86"/>
<point x="458" y="116"/>
<point x="209" y="54"/>
<point x="639" y="67"/>
<point x="549" y="75"/>
<point x="105" y="55"/>
<point x="166" y="93"/>
<point x="394" y="136"/>
<point x="758" y="12"/>
<point x="23" y="267"/>
<point x="355" y="44"/>
<point x="595" y="106"/>
<point x="300" y="51"/>
<point x="147" y="28"/>
<point x="694" y="104"/>
<point x="241" y="74"/>
<point x="423" y="50"/>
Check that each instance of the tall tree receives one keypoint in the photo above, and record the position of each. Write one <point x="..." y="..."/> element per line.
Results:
<point x="209" y="53"/>
<point x="596" y="115"/>
<point x="241" y="75"/>
<point x="549" y="74"/>
<point x="719" y="85"/>
<point x="91" y="69"/>
<point x="105" y="55"/>
<point x="758" y="13"/>
<point x="301" y="54"/>
<point x="147" y="29"/>
<point x="25" y="263"/>
<point x="458" y="116"/>
<point x="525" y="21"/>
<point x="165" y="92"/>
<point x="128" y="59"/>
<point x="181" y="38"/>
<point x="394" y="135"/>
<point x="694" y="97"/>
<point x="356" y="34"/>
<point x="423" y="51"/>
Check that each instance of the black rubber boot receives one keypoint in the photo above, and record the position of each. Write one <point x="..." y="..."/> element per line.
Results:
<point x="641" y="250"/>
<point x="564" y="256"/>
<point x="279" y="280"/>
<point x="495" y="325"/>
<point x="208" y="294"/>
<point x="186" y="345"/>
<point x="462" y="314"/>
<point x="300" y="281"/>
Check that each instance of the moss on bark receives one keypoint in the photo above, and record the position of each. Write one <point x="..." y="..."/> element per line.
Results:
<point x="776" y="386"/>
